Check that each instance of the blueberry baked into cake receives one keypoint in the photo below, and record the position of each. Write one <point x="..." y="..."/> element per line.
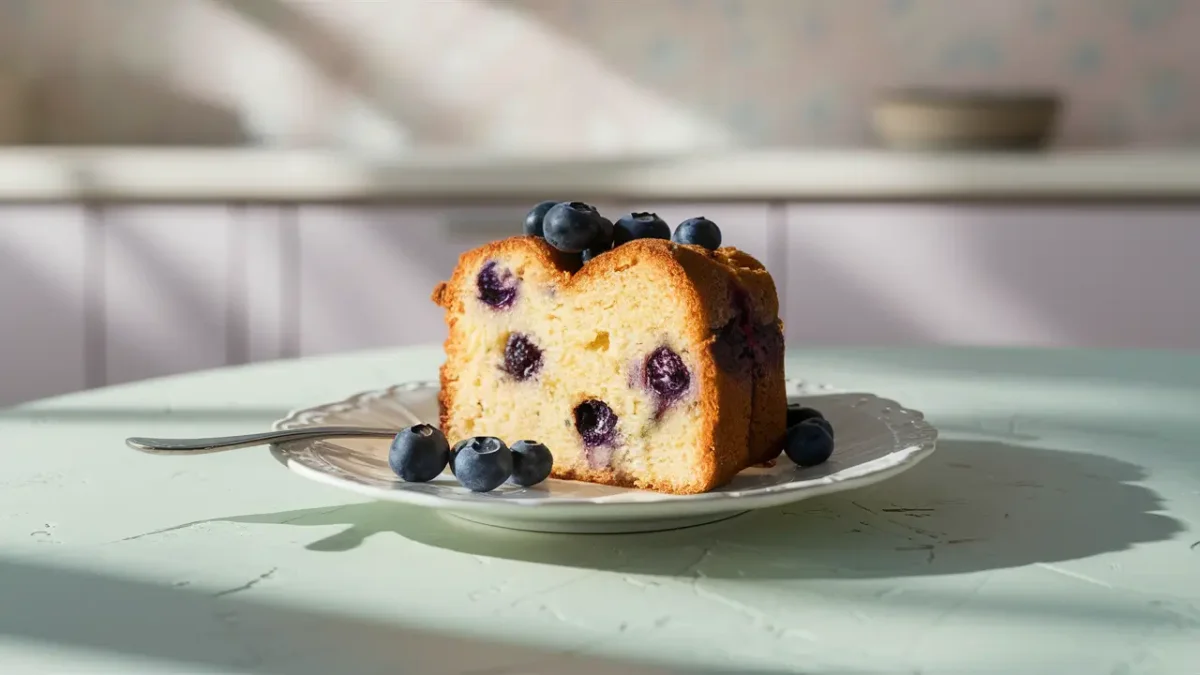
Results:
<point x="643" y="358"/>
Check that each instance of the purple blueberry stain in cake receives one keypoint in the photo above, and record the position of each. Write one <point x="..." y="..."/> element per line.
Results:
<point x="666" y="375"/>
<point x="742" y="345"/>
<point x="522" y="357"/>
<point x="770" y="342"/>
<point x="746" y="349"/>
<point x="497" y="287"/>
<point x="596" y="424"/>
<point x="732" y="349"/>
<point x="745" y="320"/>
<point x="635" y="373"/>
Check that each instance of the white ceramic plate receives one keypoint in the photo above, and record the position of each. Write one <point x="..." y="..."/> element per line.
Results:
<point x="876" y="439"/>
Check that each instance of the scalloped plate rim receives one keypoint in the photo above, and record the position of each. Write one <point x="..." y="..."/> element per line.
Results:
<point x="634" y="504"/>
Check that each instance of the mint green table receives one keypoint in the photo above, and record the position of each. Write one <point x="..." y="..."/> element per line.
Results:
<point x="1055" y="531"/>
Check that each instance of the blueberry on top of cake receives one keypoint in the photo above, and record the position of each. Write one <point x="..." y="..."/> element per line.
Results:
<point x="645" y="359"/>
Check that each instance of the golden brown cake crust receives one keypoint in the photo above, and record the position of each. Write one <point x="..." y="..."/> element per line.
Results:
<point x="723" y="293"/>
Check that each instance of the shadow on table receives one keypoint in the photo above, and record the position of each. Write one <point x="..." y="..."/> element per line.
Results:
<point x="971" y="506"/>
<point x="55" y="608"/>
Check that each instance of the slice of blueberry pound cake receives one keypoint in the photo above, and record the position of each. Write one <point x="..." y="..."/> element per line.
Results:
<point x="655" y="365"/>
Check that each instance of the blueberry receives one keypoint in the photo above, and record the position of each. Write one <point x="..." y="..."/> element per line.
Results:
<point x="522" y="357"/>
<point x="666" y="375"/>
<point x="809" y="442"/>
<point x="419" y="454"/>
<point x="698" y="231"/>
<point x="596" y="423"/>
<point x="572" y="227"/>
<point x="532" y="463"/>
<point x="454" y="451"/>
<point x="797" y="413"/>
<point x="823" y="423"/>
<point x="621" y="234"/>
<point x="607" y="231"/>
<point x="641" y="226"/>
<point x="482" y="463"/>
<point x="590" y="254"/>
<point x="603" y="242"/>
<point x="533" y="219"/>
<point x="497" y="288"/>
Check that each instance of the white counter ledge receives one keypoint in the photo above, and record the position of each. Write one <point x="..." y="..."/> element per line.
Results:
<point x="41" y="174"/>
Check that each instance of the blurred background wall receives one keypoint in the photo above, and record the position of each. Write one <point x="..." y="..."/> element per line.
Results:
<point x="570" y="76"/>
<point x="95" y="293"/>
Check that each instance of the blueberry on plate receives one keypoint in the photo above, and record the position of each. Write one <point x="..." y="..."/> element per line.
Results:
<point x="533" y="219"/>
<point x="809" y="443"/>
<point x="698" y="231"/>
<point x="419" y="453"/>
<point x="454" y="451"/>
<point x="640" y="226"/>
<point x="797" y="413"/>
<point x="482" y="463"/>
<point x="821" y="421"/>
<point x="572" y="227"/>
<point x="532" y="462"/>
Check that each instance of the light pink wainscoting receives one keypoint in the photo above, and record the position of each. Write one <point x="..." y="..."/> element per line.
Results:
<point x="44" y="294"/>
<point x="1096" y="276"/>
<point x="365" y="274"/>
<point x="104" y="295"/>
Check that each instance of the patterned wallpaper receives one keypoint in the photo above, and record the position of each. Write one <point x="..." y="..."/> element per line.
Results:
<point x="586" y="75"/>
<point x="806" y="71"/>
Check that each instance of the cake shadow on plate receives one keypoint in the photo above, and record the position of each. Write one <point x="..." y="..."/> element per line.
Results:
<point x="975" y="505"/>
